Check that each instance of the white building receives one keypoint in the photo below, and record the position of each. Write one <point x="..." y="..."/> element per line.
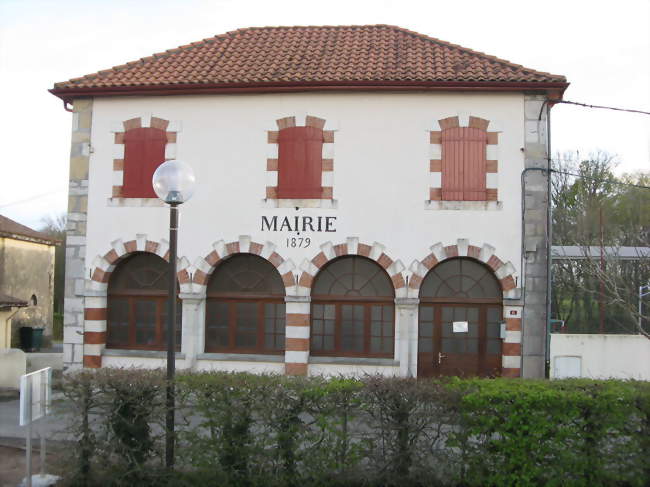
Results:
<point x="361" y="206"/>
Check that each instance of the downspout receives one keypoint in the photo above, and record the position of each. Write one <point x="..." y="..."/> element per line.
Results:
<point x="65" y="106"/>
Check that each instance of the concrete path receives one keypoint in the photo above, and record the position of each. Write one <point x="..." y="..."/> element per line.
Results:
<point x="50" y="425"/>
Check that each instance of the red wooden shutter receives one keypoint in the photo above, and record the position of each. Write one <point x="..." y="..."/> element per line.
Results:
<point x="300" y="160"/>
<point x="463" y="164"/>
<point x="144" y="151"/>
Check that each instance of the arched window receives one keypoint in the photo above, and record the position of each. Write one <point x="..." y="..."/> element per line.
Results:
<point x="245" y="311"/>
<point x="459" y="320"/>
<point x="144" y="151"/>
<point x="137" y="304"/>
<point x="352" y="311"/>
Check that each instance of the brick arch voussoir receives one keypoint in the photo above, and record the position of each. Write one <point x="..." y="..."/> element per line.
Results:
<point x="352" y="246"/>
<point x="221" y="251"/>
<point x="504" y="271"/>
<point x="104" y="265"/>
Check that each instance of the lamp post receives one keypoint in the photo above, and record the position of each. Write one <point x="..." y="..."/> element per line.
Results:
<point x="173" y="183"/>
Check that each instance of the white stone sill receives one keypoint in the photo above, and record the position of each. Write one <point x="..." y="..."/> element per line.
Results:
<point x="300" y="203"/>
<point x="463" y="205"/>
<point x="141" y="202"/>
<point x="117" y="352"/>
<point x="389" y="362"/>
<point x="240" y="357"/>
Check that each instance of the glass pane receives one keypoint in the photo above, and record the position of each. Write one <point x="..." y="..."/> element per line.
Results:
<point x="472" y="330"/>
<point x="460" y="277"/>
<point x="351" y="343"/>
<point x="472" y="345"/>
<point x="246" y="325"/>
<point x="426" y="313"/>
<point x="375" y="345"/>
<point x="269" y="310"/>
<point x="447" y="330"/>
<point x="447" y="313"/>
<point x="494" y="314"/>
<point x="145" y="322"/>
<point x="494" y="347"/>
<point x="494" y="330"/>
<point x="118" y="322"/>
<point x="245" y="340"/>
<point x="216" y="324"/>
<point x="317" y="327"/>
<point x="375" y="329"/>
<point x="246" y="274"/>
<point x="317" y="310"/>
<point x="388" y="329"/>
<point x="269" y="341"/>
<point x="141" y="271"/>
<point x="426" y="329"/>
<point x="317" y="342"/>
<point x="460" y="314"/>
<point x="328" y="343"/>
<point x="353" y="276"/>
<point x="330" y="311"/>
<point x="387" y="346"/>
<point x="269" y="324"/>
<point x="246" y="314"/>
<point x="329" y="327"/>
<point x="376" y="313"/>
<point x="472" y="314"/>
<point x="452" y="345"/>
<point x="425" y="345"/>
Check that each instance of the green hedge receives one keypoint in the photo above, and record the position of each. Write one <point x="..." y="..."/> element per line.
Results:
<point x="236" y="429"/>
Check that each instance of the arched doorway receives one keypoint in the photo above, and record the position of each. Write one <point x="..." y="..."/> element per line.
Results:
<point x="459" y="321"/>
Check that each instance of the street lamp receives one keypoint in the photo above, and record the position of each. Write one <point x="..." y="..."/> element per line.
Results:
<point x="173" y="183"/>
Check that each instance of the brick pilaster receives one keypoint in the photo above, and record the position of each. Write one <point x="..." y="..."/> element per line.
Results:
<point x="296" y="355"/>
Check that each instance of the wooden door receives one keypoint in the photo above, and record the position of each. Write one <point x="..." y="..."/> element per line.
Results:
<point x="445" y="352"/>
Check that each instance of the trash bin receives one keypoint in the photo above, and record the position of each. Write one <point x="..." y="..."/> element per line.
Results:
<point x="26" y="335"/>
<point x="37" y="338"/>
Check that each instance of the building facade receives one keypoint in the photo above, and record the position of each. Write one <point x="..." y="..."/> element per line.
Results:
<point x="369" y="200"/>
<point x="26" y="281"/>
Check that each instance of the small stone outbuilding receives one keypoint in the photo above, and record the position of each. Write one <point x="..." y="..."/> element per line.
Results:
<point x="26" y="278"/>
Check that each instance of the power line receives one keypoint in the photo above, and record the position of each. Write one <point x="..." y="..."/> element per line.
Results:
<point x="600" y="106"/>
<point x="601" y="180"/>
<point x="32" y="198"/>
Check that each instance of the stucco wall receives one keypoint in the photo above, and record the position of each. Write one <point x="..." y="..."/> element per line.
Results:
<point x="28" y="269"/>
<point x="381" y="182"/>
<point x="600" y="356"/>
<point x="381" y="171"/>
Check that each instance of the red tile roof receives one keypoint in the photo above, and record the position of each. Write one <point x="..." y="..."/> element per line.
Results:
<point x="12" y="229"/>
<point x="327" y="56"/>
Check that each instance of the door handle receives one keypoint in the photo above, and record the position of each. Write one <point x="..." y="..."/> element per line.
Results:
<point x="441" y="356"/>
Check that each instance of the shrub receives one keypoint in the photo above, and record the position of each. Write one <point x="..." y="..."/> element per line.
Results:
<point x="237" y="429"/>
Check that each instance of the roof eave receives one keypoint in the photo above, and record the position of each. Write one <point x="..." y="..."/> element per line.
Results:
<point x="30" y="238"/>
<point x="556" y="88"/>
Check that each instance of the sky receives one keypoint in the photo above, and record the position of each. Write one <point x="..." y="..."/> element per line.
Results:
<point x="602" y="47"/>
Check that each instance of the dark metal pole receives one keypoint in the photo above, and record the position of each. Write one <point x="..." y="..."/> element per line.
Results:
<point x="171" y="337"/>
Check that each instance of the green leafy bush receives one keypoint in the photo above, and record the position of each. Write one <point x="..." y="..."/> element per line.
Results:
<point x="236" y="429"/>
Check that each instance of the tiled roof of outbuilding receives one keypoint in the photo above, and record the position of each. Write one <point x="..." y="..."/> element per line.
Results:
<point x="370" y="55"/>
<point x="12" y="229"/>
